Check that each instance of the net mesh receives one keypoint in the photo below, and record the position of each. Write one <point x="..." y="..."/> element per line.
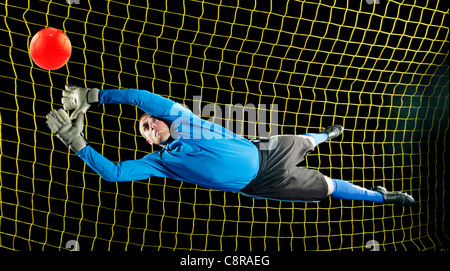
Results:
<point x="380" y="70"/>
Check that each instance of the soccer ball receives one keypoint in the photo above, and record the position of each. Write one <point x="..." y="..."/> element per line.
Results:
<point x="50" y="48"/>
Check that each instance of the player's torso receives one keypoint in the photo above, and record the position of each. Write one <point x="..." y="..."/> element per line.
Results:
<point x="225" y="164"/>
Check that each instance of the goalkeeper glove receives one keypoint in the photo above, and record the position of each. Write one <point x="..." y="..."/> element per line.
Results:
<point x="69" y="133"/>
<point x="78" y="98"/>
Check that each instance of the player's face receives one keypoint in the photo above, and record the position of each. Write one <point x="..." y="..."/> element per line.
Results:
<point x="154" y="130"/>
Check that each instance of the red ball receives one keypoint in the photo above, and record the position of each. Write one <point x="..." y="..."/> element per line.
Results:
<point x="50" y="48"/>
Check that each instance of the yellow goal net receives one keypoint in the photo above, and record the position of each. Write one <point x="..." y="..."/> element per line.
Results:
<point x="378" y="68"/>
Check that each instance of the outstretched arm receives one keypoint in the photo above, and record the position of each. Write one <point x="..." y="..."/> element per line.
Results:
<point x="70" y="133"/>
<point x="130" y="170"/>
<point x="149" y="102"/>
<point x="80" y="99"/>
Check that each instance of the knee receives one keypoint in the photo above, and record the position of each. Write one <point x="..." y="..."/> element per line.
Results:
<point x="329" y="184"/>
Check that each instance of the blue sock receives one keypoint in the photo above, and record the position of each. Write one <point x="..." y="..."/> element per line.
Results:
<point x="318" y="138"/>
<point x="346" y="190"/>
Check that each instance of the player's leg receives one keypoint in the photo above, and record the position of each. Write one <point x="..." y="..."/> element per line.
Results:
<point x="341" y="189"/>
<point x="279" y="178"/>
<point x="286" y="151"/>
<point x="330" y="132"/>
<point x="295" y="184"/>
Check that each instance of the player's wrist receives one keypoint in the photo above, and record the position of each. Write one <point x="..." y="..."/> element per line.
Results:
<point x="78" y="143"/>
<point x="92" y="95"/>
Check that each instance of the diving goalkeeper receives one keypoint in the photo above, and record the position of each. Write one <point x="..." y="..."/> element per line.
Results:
<point x="206" y="154"/>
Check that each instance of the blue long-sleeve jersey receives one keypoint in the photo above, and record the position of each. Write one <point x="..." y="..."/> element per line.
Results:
<point x="199" y="152"/>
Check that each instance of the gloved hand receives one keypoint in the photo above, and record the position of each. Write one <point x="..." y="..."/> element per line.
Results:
<point x="69" y="133"/>
<point x="78" y="98"/>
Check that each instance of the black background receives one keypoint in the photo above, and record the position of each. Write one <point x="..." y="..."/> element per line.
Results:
<point x="381" y="71"/>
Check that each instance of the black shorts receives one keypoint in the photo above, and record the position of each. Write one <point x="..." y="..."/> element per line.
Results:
<point x="279" y="178"/>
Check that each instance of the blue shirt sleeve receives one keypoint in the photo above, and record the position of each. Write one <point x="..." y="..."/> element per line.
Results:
<point x="147" y="101"/>
<point x="130" y="170"/>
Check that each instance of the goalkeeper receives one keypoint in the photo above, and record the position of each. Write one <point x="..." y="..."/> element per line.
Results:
<point x="206" y="154"/>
